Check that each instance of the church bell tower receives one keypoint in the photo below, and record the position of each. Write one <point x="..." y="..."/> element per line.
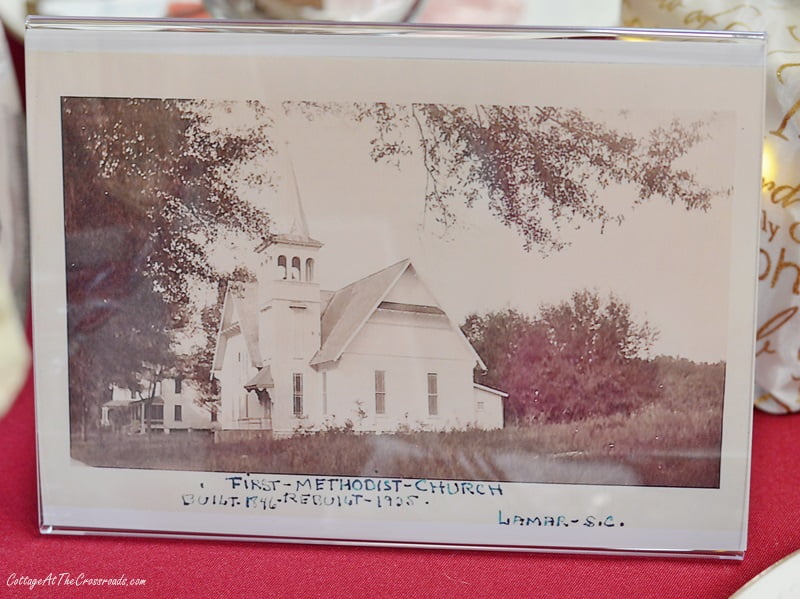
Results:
<point x="289" y="304"/>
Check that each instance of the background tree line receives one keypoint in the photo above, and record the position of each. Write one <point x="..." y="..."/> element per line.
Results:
<point x="582" y="358"/>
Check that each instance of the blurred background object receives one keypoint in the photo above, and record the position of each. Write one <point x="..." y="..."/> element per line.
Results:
<point x="577" y="13"/>
<point x="781" y="580"/>
<point x="14" y="12"/>
<point x="319" y="10"/>
<point x="481" y="12"/>
<point x="546" y="13"/>
<point x="14" y="258"/>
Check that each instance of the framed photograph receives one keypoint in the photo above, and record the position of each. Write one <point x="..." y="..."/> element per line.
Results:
<point x="365" y="284"/>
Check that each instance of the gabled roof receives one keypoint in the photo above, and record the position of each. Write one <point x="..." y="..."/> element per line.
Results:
<point x="344" y="314"/>
<point x="246" y="303"/>
<point x="350" y="307"/>
<point x="240" y="307"/>
<point x="325" y="298"/>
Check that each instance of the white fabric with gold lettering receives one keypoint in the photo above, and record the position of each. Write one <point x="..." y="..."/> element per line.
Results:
<point x="778" y="337"/>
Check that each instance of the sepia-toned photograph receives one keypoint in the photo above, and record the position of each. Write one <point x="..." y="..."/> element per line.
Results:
<point x="445" y="288"/>
<point x="520" y="293"/>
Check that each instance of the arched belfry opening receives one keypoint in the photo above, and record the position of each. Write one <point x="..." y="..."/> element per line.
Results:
<point x="282" y="272"/>
<point x="296" y="272"/>
<point x="310" y="270"/>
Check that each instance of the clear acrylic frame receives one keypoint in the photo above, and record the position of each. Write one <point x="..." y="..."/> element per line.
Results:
<point x="392" y="165"/>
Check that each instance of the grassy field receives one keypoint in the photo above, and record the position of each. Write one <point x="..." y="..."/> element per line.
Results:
<point x="657" y="446"/>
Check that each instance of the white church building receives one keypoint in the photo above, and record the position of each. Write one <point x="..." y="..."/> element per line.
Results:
<point x="379" y="355"/>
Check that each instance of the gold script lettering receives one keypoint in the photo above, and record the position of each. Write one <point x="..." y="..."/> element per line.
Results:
<point x="669" y="5"/>
<point x="772" y="325"/>
<point x="776" y="322"/>
<point x="765" y="273"/>
<point x="785" y="121"/>
<point x="783" y="67"/>
<point x="794" y="232"/>
<point x="702" y="18"/>
<point x="785" y="195"/>
<point x="744" y="26"/>
<point x="791" y="266"/>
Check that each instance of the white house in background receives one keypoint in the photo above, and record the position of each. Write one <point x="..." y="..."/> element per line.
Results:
<point x="379" y="355"/>
<point x="173" y="408"/>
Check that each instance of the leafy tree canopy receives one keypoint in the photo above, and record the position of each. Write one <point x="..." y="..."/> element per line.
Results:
<point x="149" y="187"/>
<point x="537" y="168"/>
<point x="581" y="357"/>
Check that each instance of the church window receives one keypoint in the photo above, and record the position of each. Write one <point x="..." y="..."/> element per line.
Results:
<point x="433" y="394"/>
<point x="297" y="393"/>
<point x="380" y="391"/>
<point x="178" y="382"/>
<point x="178" y="415"/>
<point x="282" y="272"/>
<point x="309" y="269"/>
<point x="295" y="269"/>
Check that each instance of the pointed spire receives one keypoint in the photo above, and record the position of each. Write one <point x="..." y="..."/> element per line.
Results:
<point x="290" y="224"/>
<point x="290" y="194"/>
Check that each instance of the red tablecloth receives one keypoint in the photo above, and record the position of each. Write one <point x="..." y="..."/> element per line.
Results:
<point x="226" y="569"/>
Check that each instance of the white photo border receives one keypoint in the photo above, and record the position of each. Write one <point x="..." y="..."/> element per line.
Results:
<point x="115" y="60"/>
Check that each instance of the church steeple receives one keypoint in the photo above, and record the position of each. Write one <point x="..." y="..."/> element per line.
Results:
<point x="289" y="222"/>
<point x="290" y="253"/>
<point x="298" y="225"/>
<point x="289" y="299"/>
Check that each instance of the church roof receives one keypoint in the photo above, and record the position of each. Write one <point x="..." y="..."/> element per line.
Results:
<point x="489" y="390"/>
<point x="240" y="309"/>
<point x="262" y="380"/>
<point x="344" y="313"/>
<point x="350" y="307"/>
<point x="297" y="239"/>
<point x="325" y="298"/>
<point x="245" y="297"/>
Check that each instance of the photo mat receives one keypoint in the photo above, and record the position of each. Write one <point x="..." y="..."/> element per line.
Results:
<point x="339" y="297"/>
